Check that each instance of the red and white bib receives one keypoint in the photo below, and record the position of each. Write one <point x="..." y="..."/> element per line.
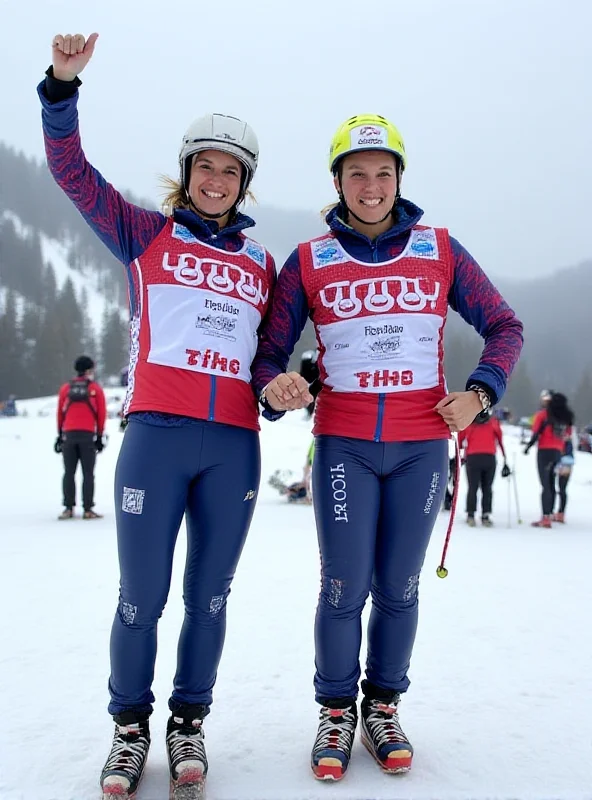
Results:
<point x="199" y="311"/>
<point x="379" y="328"/>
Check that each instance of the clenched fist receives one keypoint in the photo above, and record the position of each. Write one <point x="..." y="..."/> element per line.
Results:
<point x="71" y="54"/>
<point x="288" y="392"/>
<point x="459" y="409"/>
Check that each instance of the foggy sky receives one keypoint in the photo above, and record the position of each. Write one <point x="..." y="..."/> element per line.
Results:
<point x="492" y="99"/>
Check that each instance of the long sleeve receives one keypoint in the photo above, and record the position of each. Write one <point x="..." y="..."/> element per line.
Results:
<point x="101" y="409"/>
<point x="123" y="227"/>
<point x="500" y="438"/>
<point x="539" y="422"/>
<point x="60" y="410"/>
<point x="481" y="305"/>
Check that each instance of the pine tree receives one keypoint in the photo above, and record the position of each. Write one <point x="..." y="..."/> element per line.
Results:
<point x="582" y="401"/>
<point x="30" y="331"/>
<point x="72" y="325"/>
<point x="11" y="372"/>
<point x="89" y="339"/>
<point x="521" y="395"/>
<point x="114" y="343"/>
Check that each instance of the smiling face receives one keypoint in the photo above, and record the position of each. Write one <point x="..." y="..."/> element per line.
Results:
<point x="369" y="184"/>
<point x="215" y="183"/>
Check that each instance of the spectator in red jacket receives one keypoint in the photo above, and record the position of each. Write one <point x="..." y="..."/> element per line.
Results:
<point x="480" y="441"/>
<point x="551" y="429"/>
<point x="81" y="419"/>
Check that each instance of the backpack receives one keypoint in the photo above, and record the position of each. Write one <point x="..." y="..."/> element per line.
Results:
<point x="78" y="392"/>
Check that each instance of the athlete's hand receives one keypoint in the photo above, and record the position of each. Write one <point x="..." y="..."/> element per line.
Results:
<point x="459" y="409"/>
<point x="70" y="54"/>
<point x="288" y="392"/>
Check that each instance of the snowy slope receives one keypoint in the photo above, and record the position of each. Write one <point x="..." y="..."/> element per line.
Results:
<point x="56" y="253"/>
<point x="500" y="705"/>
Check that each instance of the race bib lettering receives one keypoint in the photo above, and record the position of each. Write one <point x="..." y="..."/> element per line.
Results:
<point x="202" y="331"/>
<point x="397" y="353"/>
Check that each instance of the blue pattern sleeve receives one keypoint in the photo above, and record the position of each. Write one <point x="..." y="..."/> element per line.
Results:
<point x="124" y="228"/>
<point x="480" y="304"/>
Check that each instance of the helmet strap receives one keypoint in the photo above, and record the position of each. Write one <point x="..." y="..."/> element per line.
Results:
<point x="231" y="211"/>
<point x="354" y="215"/>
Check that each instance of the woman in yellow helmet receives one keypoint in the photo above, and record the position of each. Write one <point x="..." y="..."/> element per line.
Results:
<point x="377" y="287"/>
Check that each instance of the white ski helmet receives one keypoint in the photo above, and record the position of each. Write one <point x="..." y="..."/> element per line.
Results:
<point x="223" y="133"/>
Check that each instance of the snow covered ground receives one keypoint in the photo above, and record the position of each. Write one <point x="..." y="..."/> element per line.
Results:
<point x="500" y="705"/>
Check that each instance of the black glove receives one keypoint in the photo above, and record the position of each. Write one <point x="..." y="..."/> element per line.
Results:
<point x="99" y="444"/>
<point x="506" y="471"/>
<point x="57" y="445"/>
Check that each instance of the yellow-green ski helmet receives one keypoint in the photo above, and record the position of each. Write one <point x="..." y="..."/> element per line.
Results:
<point x="366" y="132"/>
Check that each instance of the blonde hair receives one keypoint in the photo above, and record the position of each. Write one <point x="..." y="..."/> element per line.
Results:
<point x="175" y="196"/>
<point x="324" y="211"/>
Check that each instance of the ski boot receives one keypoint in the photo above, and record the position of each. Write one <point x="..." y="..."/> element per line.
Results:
<point x="126" y="761"/>
<point x="383" y="736"/>
<point x="486" y="522"/>
<point x="90" y="514"/>
<point x="67" y="513"/>
<point x="186" y="753"/>
<point x="559" y="517"/>
<point x="471" y="521"/>
<point x="331" y="751"/>
<point x="544" y="522"/>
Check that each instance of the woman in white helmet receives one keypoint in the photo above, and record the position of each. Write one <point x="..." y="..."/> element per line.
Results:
<point x="199" y="289"/>
<point x="377" y="287"/>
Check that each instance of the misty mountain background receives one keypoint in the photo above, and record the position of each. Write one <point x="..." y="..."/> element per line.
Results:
<point x="46" y="321"/>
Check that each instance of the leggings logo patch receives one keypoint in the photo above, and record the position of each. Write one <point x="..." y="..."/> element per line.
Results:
<point x="339" y="487"/>
<point x="433" y="493"/>
<point x="128" y="613"/>
<point x="133" y="500"/>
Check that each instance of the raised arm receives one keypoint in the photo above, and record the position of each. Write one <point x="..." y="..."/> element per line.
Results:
<point x="124" y="228"/>
<point x="481" y="305"/>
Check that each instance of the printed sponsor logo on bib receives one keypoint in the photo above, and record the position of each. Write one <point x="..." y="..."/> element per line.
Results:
<point x="423" y="244"/>
<point x="184" y="234"/>
<point x="221" y="324"/>
<point x="255" y="252"/>
<point x="326" y="252"/>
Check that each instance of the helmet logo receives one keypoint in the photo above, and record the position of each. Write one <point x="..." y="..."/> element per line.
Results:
<point x="370" y="130"/>
<point x="368" y="136"/>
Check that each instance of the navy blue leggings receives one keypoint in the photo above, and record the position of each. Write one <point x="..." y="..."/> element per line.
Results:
<point x="375" y="505"/>
<point x="209" y="472"/>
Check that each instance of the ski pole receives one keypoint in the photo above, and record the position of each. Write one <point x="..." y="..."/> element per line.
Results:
<point x="518" y="517"/>
<point x="441" y="571"/>
<point x="509" y="503"/>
